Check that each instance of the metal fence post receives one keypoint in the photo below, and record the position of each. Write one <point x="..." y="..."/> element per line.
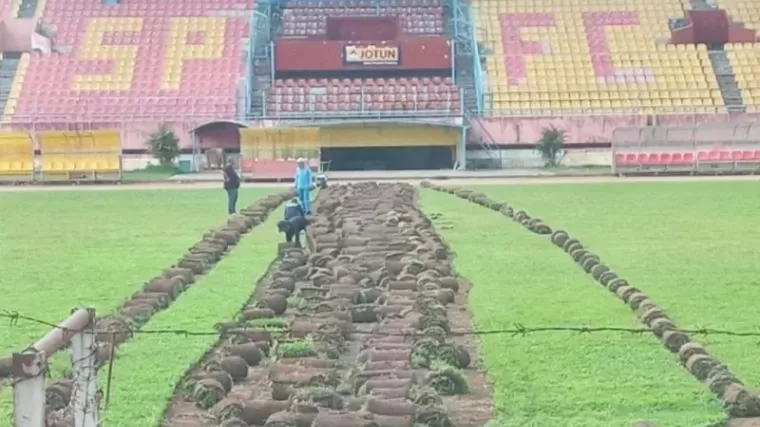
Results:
<point x="29" y="389"/>
<point x="84" y="397"/>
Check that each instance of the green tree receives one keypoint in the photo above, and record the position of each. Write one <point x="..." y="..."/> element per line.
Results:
<point x="551" y="145"/>
<point x="164" y="145"/>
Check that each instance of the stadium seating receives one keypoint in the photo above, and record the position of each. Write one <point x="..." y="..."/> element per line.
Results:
<point x="416" y="17"/>
<point x="688" y="159"/>
<point x="363" y="95"/>
<point x="745" y="11"/>
<point x="596" y="56"/>
<point x="16" y="156"/>
<point x="745" y="59"/>
<point x="139" y="58"/>
<point x="90" y="154"/>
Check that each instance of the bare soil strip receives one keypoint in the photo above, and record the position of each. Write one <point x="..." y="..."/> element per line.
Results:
<point x="161" y="291"/>
<point x="738" y="400"/>
<point x="355" y="331"/>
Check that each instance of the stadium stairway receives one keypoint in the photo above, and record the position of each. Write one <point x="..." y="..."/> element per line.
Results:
<point x="724" y="72"/>
<point x="27" y="8"/>
<point x="9" y="64"/>
<point x="700" y="4"/>
<point x="729" y="87"/>
<point x="262" y="57"/>
<point x="463" y="62"/>
<point x="8" y="68"/>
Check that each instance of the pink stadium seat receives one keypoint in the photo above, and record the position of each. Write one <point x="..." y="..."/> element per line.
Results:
<point x="365" y="96"/>
<point x="144" y="59"/>
<point x="309" y="19"/>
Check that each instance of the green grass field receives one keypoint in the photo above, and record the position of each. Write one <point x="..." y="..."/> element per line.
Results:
<point x="690" y="246"/>
<point x="96" y="248"/>
<point x="66" y="249"/>
<point x="142" y="390"/>
<point x="556" y="378"/>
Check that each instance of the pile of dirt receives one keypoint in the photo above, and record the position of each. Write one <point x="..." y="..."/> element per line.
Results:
<point x="363" y="315"/>
<point x="737" y="400"/>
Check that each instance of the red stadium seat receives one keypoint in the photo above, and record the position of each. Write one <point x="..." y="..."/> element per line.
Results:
<point x="148" y="82"/>
<point x="440" y="95"/>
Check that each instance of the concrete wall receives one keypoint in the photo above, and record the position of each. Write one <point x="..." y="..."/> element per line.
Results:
<point x="532" y="158"/>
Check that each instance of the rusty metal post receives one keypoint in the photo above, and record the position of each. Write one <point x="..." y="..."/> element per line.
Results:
<point x="29" y="389"/>
<point x="59" y="336"/>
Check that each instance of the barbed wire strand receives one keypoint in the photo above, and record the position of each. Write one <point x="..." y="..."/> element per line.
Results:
<point x="517" y="329"/>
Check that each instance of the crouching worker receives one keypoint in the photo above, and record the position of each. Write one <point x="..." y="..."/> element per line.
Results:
<point x="294" y="223"/>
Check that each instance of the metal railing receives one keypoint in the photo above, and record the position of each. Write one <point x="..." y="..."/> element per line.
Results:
<point x="124" y="108"/>
<point x="623" y="111"/>
<point x="700" y="136"/>
<point x="477" y="66"/>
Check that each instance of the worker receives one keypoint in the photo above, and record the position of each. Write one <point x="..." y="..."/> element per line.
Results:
<point x="294" y="222"/>
<point x="303" y="182"/>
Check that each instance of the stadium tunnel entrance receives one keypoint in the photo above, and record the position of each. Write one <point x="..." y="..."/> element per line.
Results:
<point x="388" y="146"/>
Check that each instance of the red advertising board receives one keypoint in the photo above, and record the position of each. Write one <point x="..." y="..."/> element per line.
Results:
<point x="428" y="53"/>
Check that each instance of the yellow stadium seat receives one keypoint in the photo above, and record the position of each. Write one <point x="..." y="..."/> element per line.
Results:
<point x="561" y="66"/>
<point x="87" y="153"/>
<point x="16" y="156"/>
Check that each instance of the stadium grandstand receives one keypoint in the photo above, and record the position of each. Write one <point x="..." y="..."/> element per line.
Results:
<point x="641" y="85"/>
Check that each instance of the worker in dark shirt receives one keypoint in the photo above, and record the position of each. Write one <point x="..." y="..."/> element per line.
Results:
<point x="294" y="222"/>
<point x="231" y="185"/>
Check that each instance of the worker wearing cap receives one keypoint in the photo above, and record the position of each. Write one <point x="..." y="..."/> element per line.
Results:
<point x="303" y="182"/>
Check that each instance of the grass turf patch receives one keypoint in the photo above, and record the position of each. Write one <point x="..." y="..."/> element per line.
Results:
<point x="66" y="249"/>
<point x="560" y="379"/>
<point x="148" y="367"/>
<point x="691" y="246"/>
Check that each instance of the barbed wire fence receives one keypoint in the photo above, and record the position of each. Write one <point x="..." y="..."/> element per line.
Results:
<point x="517" y="329"/>
<point x="94" y="396"/>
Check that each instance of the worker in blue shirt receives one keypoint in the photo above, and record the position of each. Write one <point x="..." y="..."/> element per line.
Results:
<point x="303" y="182"/>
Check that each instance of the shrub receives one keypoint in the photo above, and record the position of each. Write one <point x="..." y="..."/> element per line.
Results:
<point x="550" y="145"/>
<point x="164" y="144"/>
